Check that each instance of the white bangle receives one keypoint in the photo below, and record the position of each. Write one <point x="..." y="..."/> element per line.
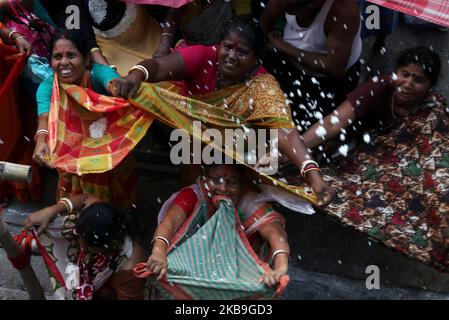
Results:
<point x="305" y="163"/>
<point x="142" y="69"/>
<point x="279" y="252"/>
<point x="39" y="132"/>
<point x="68" y="203"/>
<point x="163" y="239"/>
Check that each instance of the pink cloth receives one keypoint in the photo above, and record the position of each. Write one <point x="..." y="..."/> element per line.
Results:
<point x="201" y="69"/>
<point x="435" y="11"/>
<point x="166" y="3"/>
<point x="38" y="39"/>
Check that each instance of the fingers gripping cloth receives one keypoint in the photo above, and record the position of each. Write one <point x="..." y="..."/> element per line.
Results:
<point x="24" y="240"/>
<point x="210" y="257"/>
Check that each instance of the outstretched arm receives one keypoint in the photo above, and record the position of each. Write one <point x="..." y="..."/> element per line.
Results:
<point x="332" y="124"/>
<point x="276" y="236"/>
<point x="157" y="262"/>
<point x="292" y="146"/>
<point x="43" y="217"/>
<point x="165" y="68"/>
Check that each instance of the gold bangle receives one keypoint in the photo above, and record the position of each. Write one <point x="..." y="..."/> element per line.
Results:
<point x="311" y="169"/>
<point x="19" y="37"/>
<point x="10" y="34"/>
<point x="94" y="49"/>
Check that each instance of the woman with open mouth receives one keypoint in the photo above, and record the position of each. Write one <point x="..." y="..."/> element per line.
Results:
<point x="71" y="63"/>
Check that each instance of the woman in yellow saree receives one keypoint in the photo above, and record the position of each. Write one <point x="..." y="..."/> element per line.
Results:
<point x="234" y="89"/>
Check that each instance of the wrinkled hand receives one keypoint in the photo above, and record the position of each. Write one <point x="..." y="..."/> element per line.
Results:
<point x="322" y="190"/>
<point x="41" y="154"/>
<point x="157" y="264"/>
<point x="40" y="218"/>
<point x="271" y="278"/>
<point x="275" y="41"/>
<point x="126" y="87"/>
<point x="24" y="46"/>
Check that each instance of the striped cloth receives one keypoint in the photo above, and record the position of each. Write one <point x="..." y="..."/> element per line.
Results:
<point x="211" y="258"/>
<point x="435" y="11"/>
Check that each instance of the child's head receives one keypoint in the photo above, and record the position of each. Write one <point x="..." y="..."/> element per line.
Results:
<point x="101" y="227"/>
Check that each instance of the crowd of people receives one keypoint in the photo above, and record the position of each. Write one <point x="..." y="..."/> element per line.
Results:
<point x="293" y="67"/>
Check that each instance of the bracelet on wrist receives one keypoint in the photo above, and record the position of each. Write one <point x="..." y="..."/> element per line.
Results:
<point x="281" y="251"/>
<point x="141" y="69"/>
<point x="162" y="239"/>
<point x="40" y="132"/>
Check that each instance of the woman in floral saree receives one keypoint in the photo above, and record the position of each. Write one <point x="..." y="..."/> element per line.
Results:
<point x="394" y="186"/>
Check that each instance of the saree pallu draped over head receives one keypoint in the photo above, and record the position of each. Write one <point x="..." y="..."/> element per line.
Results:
<point x="211" y="255"/>
<point x="396" y="189"/>
<point x="91" y="133"/>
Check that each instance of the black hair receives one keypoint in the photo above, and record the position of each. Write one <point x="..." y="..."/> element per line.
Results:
<point x="424" y="57"/>
<point x="105" y="225"/>
<point x="73" y="35"/>
<point x="240" y="168"/>
<point x="249" y="29"/>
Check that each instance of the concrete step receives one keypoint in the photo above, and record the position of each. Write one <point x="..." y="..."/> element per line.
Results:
<point x="306" y="285"/>
<point x="12" y="294"/>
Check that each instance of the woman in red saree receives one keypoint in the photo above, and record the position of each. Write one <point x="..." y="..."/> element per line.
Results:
<point x="17" y="128"/>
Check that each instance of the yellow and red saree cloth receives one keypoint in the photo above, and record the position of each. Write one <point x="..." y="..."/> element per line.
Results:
<point x="17" y="126"/>
<point x="91" y="133"/>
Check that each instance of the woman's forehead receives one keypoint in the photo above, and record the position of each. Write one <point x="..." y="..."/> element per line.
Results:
<point x="237" y="38"/>
<point x="225" y="170"/>
<point x="413" y="67"/>
<point x="64" y="44"/>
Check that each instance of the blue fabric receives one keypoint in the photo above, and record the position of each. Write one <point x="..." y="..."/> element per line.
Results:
<point x="100" y="76"/>
<point x="37" y="69"/>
